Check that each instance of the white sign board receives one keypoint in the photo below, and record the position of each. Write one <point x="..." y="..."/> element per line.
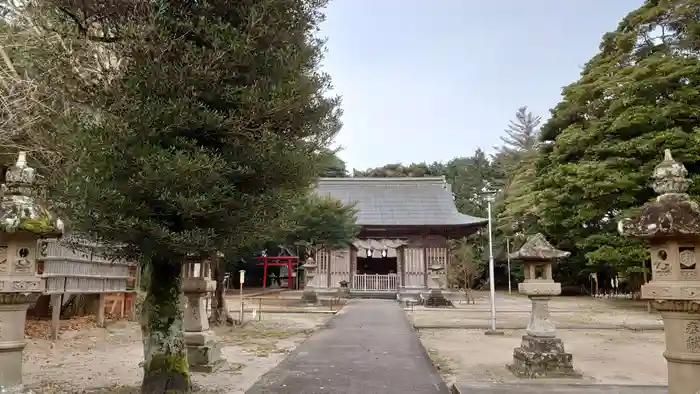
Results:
<point x="241" y="277"/>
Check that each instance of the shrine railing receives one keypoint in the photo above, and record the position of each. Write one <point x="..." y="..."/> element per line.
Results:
<point x="375" y="282"/>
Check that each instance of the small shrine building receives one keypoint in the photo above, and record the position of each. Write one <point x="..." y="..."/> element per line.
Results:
<point x="405" y="224"/>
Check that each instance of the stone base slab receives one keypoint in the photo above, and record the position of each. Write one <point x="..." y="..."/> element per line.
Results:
<point x="309" y="296"/>
<point x="203" y="351"/>
<point x="539" y="288"/>
<point x="542" y="358"/>
<point x="436" y="299"/>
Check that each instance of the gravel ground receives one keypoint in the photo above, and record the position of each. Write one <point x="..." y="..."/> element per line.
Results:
<point x="107" y="360"/>
<point x="602" y="356"/>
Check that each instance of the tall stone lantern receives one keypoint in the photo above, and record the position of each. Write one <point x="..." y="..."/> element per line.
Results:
<point x="309" y="295"/>
<point x="541" y="354"/>
<point x="671" y="224"/>
<point x="203" y="348"/>
<point x="23" y="220"/>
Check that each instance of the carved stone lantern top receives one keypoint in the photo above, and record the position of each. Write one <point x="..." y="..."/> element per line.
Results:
<point x="538" y="249"/>
<point x="20" y="210"/>
<point x="538" y="255"/>
<point x="673" y="214"/>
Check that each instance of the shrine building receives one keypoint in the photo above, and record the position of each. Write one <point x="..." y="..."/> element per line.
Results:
<point x="404" y="227"/>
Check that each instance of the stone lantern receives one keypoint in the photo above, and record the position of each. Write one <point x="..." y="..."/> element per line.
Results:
<point x="436" y="298"/>
<point x="671" y="224"/>
<point x="23" y="220"/>
<point x="541" y="354"/>
<point x="203" y="349"/>
<point x="309" y="295"/>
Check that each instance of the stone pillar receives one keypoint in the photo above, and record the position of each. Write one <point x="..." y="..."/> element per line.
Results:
<point x="539" y="324"/>
<point x="203" y="349"/>
<point x="671" y="224"/>
<point x="23" y="220"/>
<point x="541" y="354"/>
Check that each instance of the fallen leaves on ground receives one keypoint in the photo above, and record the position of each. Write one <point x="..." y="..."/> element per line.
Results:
<point x="40" y="328"/>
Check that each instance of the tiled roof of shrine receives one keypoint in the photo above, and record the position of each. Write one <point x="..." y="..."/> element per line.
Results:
<point x="425" y="201"/>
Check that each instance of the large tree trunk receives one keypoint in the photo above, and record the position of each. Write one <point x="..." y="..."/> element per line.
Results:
<point x="165" y="354"/>
<point x="219" y="308"/>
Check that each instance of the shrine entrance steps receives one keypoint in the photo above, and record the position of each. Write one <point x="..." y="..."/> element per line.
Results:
<point x="377" y="295"/>
<point x="368" y="347"/>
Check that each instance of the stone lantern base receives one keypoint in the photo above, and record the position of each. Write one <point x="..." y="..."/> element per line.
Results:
<point x="539" y="357"/>
<point x="203" y="351"/>
<point x="309" y="296"/>
<point x="436" y="299"/>
<point x="13" y="315"/>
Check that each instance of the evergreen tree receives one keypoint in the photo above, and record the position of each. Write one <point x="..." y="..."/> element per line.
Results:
<point x="520" y="140"/>
<point x="636" y="97"/>
<point x="216" y="123"/>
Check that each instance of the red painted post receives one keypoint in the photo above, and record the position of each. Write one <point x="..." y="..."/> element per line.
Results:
<point x="264" y="273"/>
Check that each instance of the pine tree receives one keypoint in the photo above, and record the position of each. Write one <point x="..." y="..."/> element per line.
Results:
<point x="521" y="138"/>
<point x="216" y="123"/>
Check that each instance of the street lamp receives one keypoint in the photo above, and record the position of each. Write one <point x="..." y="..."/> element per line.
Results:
<point x="489" y="196"/>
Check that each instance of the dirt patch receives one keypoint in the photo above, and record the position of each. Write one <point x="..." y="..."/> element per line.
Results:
<point x="603" y="356"/>
<point x="107" y="360"/>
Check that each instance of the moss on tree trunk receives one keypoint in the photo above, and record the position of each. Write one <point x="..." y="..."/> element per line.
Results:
<point x="165" y="355"/>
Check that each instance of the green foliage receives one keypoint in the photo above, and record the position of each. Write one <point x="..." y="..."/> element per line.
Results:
<point x="332" y="166"/>
<point x="639" y="95"/>
<point x="216" y="124"/>
<point x="319" y="221"/>
<point x="465" y="263"/>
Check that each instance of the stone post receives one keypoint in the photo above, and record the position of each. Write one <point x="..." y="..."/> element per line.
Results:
<point x="203" y="349"/>
<point x="541" y="354"/>
<point x="309" y="295"/>
<point x="671" y="224"/>
<point x="23" y="220"/>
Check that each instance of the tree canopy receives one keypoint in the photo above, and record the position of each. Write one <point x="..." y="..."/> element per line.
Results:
<point x="637" y="96"/>
<point x="215" y="122"/>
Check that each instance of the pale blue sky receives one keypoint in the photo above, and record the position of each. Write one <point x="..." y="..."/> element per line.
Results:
<point x="427" y="80"/>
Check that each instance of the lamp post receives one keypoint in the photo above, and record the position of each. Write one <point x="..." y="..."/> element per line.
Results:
<point x="489" y="196"/>
<point x="508" y="257"/>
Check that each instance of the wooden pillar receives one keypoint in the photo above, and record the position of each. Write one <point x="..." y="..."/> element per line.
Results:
<point x="353" y="266"/>
<point x="55" y="315"/>
<point x="329" y="256"/>
<point x="425" y="265"/>
<point x="401" y="257"/>
<point x="101" y="310"/>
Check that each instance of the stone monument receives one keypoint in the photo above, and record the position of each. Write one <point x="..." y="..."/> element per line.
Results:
<point x="671" y="224"/>
<point x="203" y="348"/>
<point x="23" y="220"/>
<point x="309" y="295"/>
<point x="541" y="354"/>
<point x="436" y="298"/>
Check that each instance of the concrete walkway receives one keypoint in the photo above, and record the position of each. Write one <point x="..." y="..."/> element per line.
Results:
<point x="369" y="347"/>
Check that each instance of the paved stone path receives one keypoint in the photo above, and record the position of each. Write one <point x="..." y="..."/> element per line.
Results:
<point x="369" y="347"/>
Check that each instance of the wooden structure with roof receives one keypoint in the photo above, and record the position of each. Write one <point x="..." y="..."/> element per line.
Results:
<point x="404" y="227"/>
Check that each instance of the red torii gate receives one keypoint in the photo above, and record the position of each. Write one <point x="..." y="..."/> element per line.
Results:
<point x="279" y="261"/>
